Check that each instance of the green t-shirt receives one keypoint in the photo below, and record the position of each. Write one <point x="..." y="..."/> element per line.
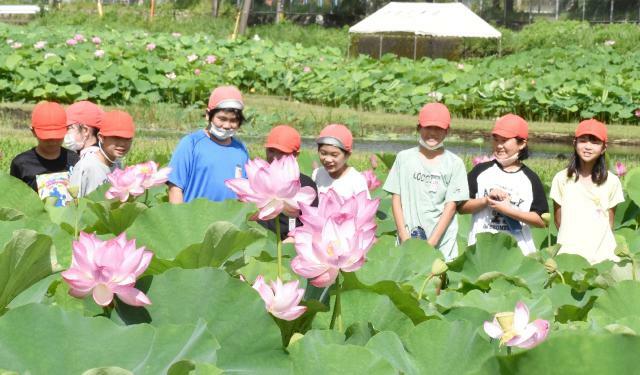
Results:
<point x="424" y="187"/>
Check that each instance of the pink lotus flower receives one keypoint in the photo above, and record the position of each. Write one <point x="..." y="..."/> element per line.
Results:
<point x="481" y="159"/>
<point x="96" y="40"/>
<point x="373" y="160"/>
<point x="637" y="112"/>
<point x="16" y="45"/>
<point x="335" y="236"/>
<point x="40" y="44"/>
<point x="281" y="300"/>
<point x="460" y="66"/>
<point x="72" y="42"/>
<point x="270" y="186"/>
<point x="49" y="54"/>
<point x="514" y="329"/>
<point x="306" y="69"/>
<point x="171" y="75"/>
<point x="99" y="53"/>
<point x="124" y="183"/>
<point x="211" y="59"/>
<point x="105" y="268"/>
<point x="196" y="72"/>
<point x="151" y="46"/>
<point x="621" y="169"/>
<point x="192" y="58"/>
<point x="151" y="175"/>
<point x="372" y="180"/>
<point x="79" y="38"/>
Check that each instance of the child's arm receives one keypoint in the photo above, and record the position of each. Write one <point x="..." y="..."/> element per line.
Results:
<point x="531" y="218"/>
<point x="445" y="219"/>
<point x="175" y="194"/>
<point x="473" y="205"/>
<point x="398" y="217"/>
<point x="556" y="214"/>
<point x="612" y="216"/>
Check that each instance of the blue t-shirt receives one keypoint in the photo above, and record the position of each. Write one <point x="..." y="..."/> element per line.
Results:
<point x="199" y="166"/>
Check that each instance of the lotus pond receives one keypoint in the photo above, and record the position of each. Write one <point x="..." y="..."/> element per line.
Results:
<point x="402" y="311"/>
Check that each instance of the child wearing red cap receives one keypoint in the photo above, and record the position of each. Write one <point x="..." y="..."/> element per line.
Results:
<point x="284" y="140"/>
<point x="206" y="158"/>
<point x="334" y="149"/>
<point x="114" y="142"/>
<point x="46" y="167"/>
<point x="426" y="183"/>
<point x="585" y="196"/>
<point x="506" y="196"/>
<point x="83" y="122"/>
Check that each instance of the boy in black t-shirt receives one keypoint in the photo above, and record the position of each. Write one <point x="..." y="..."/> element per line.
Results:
<point x="46" y="167"/>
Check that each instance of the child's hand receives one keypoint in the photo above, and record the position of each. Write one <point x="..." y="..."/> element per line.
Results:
<point x="403" y="236"/>
<point x="498" y="195"/>
<point x="499" y="205"/>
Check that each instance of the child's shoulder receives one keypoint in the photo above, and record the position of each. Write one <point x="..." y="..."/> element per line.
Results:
<point x="452" y="156"/>
<point x="24" y="156"/>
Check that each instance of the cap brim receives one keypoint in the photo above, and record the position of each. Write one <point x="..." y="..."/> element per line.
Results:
<point x="331" y="141"/>
<point x="229" y="104"/>
<point x="121" y="134"/>
<point x="50" y="134"/>
<point x="588" y="132"/>
<point x="280" y="147"/>
<point x="440" y="125"/>
<point x="504" y="133"/>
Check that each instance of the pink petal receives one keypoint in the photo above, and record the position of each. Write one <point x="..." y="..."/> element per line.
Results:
<point x="492" y="329"/>
<point x="263" y="289"/>
<point x="291" y="314"/>
<point x="102" y="294"/>
<point x="521" y="317"/>
<point x="132" y="296"/>
<point x="326" y="279"/>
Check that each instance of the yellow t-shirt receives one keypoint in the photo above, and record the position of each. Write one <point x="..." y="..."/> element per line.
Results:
<point x="585" y="229"/>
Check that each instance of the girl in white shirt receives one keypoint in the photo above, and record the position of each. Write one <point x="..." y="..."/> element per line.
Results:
<point x="585" y="196"/>
<point x="334" y="148"/>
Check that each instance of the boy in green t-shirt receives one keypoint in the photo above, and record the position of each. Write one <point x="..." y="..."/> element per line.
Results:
<point x="427" y="182"/>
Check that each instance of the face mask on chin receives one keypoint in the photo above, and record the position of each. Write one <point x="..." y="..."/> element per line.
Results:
<point x="505" y="162"/>
<point x="430" y="148"/>
<point x="70" y="143"/>
<point x="219" y="133"/>
<point x="116" y="161"/>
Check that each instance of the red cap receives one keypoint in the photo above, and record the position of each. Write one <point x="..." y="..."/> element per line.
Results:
<point x="226" y="97"/>
<point x="336" y="135"/>
<point x="592" y="127"/>
<point x="117" y="124"/>
<point x="85" y="113"/>
<point x="284" y="138"/>
<point x="434" y="114"/>
<point x="49" y="121"/>
<point x="511" y="126"/>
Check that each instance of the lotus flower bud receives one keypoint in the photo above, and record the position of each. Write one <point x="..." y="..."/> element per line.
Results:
<point x="622" y="250"/>
<point x="73" y="191"/>
<point x="296" y="336"/>
<point x="550" y="265"/>
<point x="439" y="267"/>
<point x="546" y="218"/>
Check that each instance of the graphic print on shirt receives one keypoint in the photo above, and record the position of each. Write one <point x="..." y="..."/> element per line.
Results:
<point x="498" y="221"/>
<point x="432" y="180"/>
<point x="54" y="185"/>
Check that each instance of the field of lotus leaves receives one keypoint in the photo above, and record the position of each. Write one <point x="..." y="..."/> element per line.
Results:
<point x="129" y="66"/>
<point x="403" y="310"/>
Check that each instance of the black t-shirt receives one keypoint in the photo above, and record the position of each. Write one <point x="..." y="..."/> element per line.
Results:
<point x="284" y="219"/>
<point x="27" y="165"/>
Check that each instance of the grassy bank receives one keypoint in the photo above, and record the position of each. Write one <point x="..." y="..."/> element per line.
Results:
<point x="263" y="112"/>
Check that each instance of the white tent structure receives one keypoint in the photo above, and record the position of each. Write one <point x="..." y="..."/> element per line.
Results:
<point x="437" y="20"/>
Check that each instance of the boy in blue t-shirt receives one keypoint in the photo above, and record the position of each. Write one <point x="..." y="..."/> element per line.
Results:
<point x="206" y="158"/>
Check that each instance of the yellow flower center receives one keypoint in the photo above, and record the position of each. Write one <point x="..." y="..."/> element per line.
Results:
<point x="505" y="320"/>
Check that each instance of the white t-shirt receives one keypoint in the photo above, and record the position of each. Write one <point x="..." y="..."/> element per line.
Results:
<point x="349" y="184"/>
<point x="585" y="229"/>
<point x="526" y="194"/>
<point x="89" y="173"/>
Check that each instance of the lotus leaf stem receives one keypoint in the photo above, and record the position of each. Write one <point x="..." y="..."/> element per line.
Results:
<point x="424" y="284"/>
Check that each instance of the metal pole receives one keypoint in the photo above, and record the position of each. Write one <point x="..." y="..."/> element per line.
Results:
<point x="380" y="49"/>
<point x="557" y="8"/>
<point x="415" y="45"/>
<point x="584" y="8"/>
<point x="611" y="12"/>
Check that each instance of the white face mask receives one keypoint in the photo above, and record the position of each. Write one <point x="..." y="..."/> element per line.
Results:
<point x="505" y="162"/>
<point x="221" y="134"/>
<point x="430" y="148"/>
<point x="70" y="143"/>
